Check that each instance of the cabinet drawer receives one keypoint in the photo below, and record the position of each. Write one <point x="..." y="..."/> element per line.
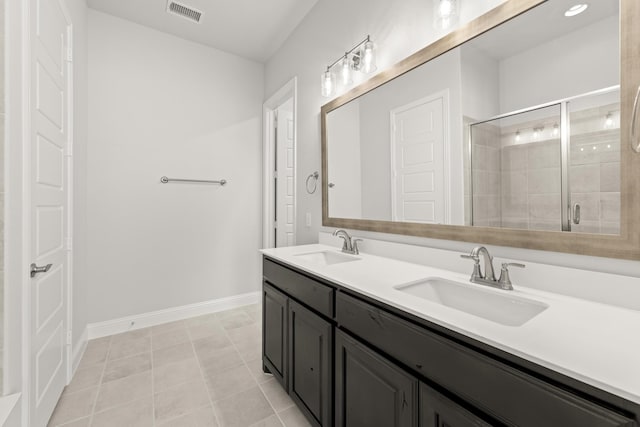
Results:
<point x="306" y="290"/>
<point x="501" y="391"/>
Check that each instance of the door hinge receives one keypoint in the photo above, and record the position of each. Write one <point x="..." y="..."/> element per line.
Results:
<point x="275" y="174"/>
<point x="69" y="337"/>
<point x="275" y="224"/>
<point x="69" y="55"/>
<point x="275" y="119"/>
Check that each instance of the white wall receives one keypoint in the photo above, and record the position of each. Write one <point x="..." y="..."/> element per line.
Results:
<point x="344" y="153"/>
<point x="160" y="105"/>
<point x="480" y="83"/>
<point x="399" y="28"/>
<point x="582" y="61"/>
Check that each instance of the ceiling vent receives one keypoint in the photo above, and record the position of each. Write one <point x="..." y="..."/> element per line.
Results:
<point x="184" y="11"/>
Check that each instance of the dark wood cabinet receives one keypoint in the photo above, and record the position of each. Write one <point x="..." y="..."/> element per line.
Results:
<point x="438" y="411"/>
<point x="310" y="363"/>
<point x="274" y="332"/>
<point x="371" y="391"/>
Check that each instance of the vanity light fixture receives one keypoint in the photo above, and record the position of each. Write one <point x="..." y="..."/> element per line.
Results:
<point x="360" y="58"/>
<point x="517" y="136"/>
<point x="556" y="130"/>
<point x="446" y="13"/>
<point x="576" y="9"/>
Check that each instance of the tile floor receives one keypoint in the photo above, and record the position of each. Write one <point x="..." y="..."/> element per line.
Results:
<point x="204" y="371"/>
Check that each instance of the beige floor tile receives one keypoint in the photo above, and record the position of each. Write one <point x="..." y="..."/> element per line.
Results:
<point x="249" y="349"/>
<point x="255" y="366"/>
<point x="96" y="352"/>
<point x="73" y="406"/>
<point x="125" y="390"/>
<point x="208" y="329"/>
<point x="272" y="421"/>
<point x="203" y="417"/>
<point x="243" y="409"/>
<point x="176" y="353"/>
<point x="128" y="366"/>
<point x="180" y="400"/>
<point x="195" y="321"/>
<point x="292" y="417"/>
<point x="168" y="327"/>
<point x="236" y="319"/>
<point x="245" y="333"/>
<point x="85" y="378"/>
<point x="83" y="422"/>
<point x="169" y="339"/>
<point x="276" y="395"/>
<point x="220" y="361"/>
<point x="229" y="382"/>
<point x="175" y="373"/>
<point x="129" y="347"/>
<point x="131" y="335"/>
<point x="206" y="346"/>
<point x="135" y="414"/>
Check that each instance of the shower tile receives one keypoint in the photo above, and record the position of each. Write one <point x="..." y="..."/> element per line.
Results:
<point x="585" y="178"/>
<point x="514" y="158"/>
<point x="544" y="155"/>
<point x="515" y="223"/>
<point x="546" y="225"/>
<point x="544" y="181"/>
<point x="515" y="206"/>
<point x="610" y="207"/>
<point x="589" y="205"/>
<point x="610" y="177"/>
<point x="586" y="227"/>
<point x="610" y="227"/>
<point x="545" y="207"/>
<point x="514" y="182"/>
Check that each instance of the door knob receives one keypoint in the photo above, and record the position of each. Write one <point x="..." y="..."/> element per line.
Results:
<point x="331" y="185"/>
<point x="35" y="269"/>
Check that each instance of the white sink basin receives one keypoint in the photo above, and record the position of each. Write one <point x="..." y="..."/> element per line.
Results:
<point x="327" y="257"/>
<point x="498" y="306"/>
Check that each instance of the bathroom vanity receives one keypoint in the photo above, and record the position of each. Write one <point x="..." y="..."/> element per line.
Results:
<point x="359" y="341"/>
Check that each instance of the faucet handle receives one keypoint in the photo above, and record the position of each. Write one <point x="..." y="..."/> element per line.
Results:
<point x="354" y="246"/>
<point x="476" y="258"/>
<point x="505" y="281"/>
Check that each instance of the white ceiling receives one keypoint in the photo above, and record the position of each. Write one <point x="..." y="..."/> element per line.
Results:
<point x="253" y="29"/>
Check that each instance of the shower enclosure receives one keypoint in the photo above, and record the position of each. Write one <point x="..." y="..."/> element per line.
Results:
<point x="552" y="167"/>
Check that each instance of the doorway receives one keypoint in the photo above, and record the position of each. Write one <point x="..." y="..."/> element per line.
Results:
<point x="279" y="171"/>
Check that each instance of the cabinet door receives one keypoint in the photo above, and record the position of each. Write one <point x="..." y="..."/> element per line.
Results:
<point x="371" y="391"/>
<point x="274" y="332"/>
<point x="310" y="364"/>
<point x="438" y="411"/>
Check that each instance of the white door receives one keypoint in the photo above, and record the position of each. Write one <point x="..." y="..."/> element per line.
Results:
<point x="285" y="197"/>
<point x="49" y="144"/>
<point x="419" y="192"/>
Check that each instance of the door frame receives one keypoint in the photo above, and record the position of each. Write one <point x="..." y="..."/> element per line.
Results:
<point x="269" y="107"/>
<point x="18" y="130"/>
<point x="446" y="150"/>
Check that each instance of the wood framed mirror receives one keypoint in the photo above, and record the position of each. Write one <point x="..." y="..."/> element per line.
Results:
<point x="514" y="130"/>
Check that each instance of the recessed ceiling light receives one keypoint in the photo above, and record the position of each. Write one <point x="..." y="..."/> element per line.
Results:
<point x="576" y="9"/>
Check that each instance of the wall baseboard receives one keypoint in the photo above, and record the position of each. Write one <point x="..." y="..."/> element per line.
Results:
<point x="144" y="320"/>
<point x="78" y="350"/>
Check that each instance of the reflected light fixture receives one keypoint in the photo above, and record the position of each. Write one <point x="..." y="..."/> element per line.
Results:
<point x="446" y="13"/>
<point x="608" y="122"/>
<point x="518" y="136"/>
<point x="361" y="58"/>
<point x="556" y="130"/>
<point x="576" y="9"/>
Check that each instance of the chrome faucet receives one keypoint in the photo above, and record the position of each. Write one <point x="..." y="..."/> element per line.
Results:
<point x="350" y="245"/>
<point x="489" y="277"/>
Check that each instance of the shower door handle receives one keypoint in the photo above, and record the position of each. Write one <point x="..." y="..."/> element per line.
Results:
<point x="576" y="213"/>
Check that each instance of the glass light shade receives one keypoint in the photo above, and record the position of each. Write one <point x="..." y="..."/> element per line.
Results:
<point x="328" y="81"/>
<point x="369" y="57"/>
<point x="608" y="123"/>
<point x="346" y="77"/>
<point x="446" y="13"/>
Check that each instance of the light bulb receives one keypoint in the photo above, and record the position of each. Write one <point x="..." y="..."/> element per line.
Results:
<point x="368" y="58"/>
<point x="345" y="72"/>
<point x="535" y="133"/>
<point x="608" y="121"/>
<point x="556" y="130"/>
<point x="576" y="10"/>
<point x="328" y="80"/>
<point x="446" y="8"/>
<point x="445" y="13"/>
<point x="517" y="136"/>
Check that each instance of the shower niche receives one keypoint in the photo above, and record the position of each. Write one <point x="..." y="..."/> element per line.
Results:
<point x="552" y="167"/>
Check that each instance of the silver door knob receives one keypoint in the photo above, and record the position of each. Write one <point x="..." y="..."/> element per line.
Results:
<point x="331" y="185"/>
<point x="35" y="269"/>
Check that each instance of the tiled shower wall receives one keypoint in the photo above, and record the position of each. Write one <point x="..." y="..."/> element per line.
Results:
<point x="486" y="177"/>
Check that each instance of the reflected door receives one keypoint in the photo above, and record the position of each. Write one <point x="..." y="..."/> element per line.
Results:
<point x="417" y="161"/>
<point x="50" y="139"/>
<point x="285" y="197"/>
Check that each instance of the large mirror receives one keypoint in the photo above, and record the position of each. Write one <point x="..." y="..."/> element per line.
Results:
<point x="515" y="132"/>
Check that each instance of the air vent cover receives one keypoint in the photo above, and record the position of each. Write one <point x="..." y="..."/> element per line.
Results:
<point x="184" y="11"/>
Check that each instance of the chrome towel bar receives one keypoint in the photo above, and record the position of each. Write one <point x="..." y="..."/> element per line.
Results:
<point x="166" y="180"/>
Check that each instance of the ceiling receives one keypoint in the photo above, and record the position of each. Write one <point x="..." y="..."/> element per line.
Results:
<point x="542" y="24"/>
<point x="252" y="29"/>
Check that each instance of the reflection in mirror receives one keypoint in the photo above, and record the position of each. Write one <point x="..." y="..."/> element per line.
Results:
<point x="517" y="128"/>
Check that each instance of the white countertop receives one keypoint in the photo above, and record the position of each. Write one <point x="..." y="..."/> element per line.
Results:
<point x="595" y="343"/>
